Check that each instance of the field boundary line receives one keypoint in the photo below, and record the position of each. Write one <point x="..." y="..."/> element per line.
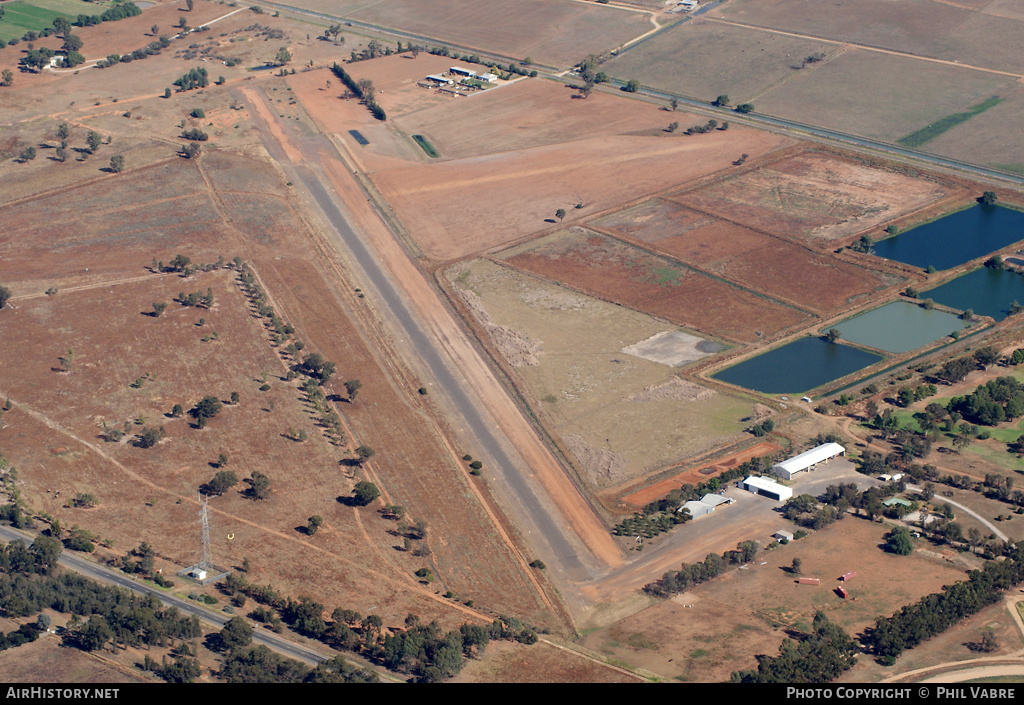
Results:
<point x="867" y="47"/>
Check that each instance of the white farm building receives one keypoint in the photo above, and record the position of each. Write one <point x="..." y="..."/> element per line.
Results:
<point x="807" y="460"/>
<point x="767" y="487"/>
<point x="459" y="71"/>
<point x="705" y="505"/>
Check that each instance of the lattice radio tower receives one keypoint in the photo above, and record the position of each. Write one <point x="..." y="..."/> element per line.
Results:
<point x="204" y="521"/>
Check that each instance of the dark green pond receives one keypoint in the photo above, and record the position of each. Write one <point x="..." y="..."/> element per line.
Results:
<point x="795" y="368"/>
<point x="899" y="327"/>
<point x="959" y="237"/>
<point x="987" y="292"/>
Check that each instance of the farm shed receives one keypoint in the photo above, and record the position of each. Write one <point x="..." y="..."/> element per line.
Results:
<point x="767" y="487"/>
<point x="440" y="80"/>
<point x="705" y="505"/>
<point x="780" y="535"/>
<point x="697" y="509"/>
<point x="459" y="71"/>
<point x="488" y="77"/>
<point x="807" y="460"/>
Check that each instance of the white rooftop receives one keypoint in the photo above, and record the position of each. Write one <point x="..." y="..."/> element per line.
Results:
<point x="811" y="457"/>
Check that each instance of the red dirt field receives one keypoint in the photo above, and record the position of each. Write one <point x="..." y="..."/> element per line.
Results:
<point x="528" y="114"/>
<point x="813" y="197"/>
<point x="514" y="174"/>
<point x="466" y="206"/>
<point x="696" y="475"/>
<point x="762" y="262"/>
<point x="161" y="207"/>
<point x="352" y="560"/>
<point x="541" y="663"/>
<point x="46" y="661"/>
<point x="613" y="271"/>
<point x="745" y="612"/>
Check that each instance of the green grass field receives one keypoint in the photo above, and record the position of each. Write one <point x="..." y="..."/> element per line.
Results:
<point x="36" y="15"/>
<point x="427" y="147"/>
<point x="926" y="134"/>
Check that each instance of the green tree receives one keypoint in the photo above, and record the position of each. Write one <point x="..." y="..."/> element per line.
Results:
<point x="259" y="486"/>
<point x="167" y="92"/>
<point x="27" y="154"/>
<point x="988" y="198"/>
<point x="898" y="541"/>
<point x="206" y="409"/>
<point x="796" y="566"/>
<point x="72" y="42"/>
<point x="5" y="295"/>
<point x="6" y="77"/>
<point x="674" y="103"/>
<point x="93" y="635"/>
<point x="313" y="523"/>
<point x="721" y="101"/>
<point x="283" y="56"/>
<point x="158" y="308"/>
<point x="117" y="163"/>
<point x="93" y="141"/>
<point x="632" y="86"/>
<point x="832" y="335"/>
<point x="221" y="483"/>
<point x="364" y="493"/>
<point x="352" y="388"/>
<point x="364" y="453"/>
<point x="236" y="634"/>
<point x="745" y="108"/>
<point x="560" y="214"/>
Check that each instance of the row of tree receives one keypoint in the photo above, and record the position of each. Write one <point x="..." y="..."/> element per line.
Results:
<point x="689" y="575"/>
<point x="933" y="614"/>
<point x="420" y="650"/>
<point x="819" y="656"/>
<point x="363" y="89"/>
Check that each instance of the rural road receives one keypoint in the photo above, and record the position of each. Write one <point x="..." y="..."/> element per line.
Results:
<point x="973" y="513"/>
<point x="107" y="576"/>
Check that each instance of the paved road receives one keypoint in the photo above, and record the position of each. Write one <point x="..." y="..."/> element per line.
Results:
<point x="447" y="378"/>
<point x="107" y="576"/>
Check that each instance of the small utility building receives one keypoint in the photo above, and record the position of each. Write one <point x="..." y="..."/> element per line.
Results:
<point x="767" y="487"/>
<point x="807" y="460"/>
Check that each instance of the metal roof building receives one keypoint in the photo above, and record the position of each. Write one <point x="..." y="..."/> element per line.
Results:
<point x="807" y="460"/>
<point x="705" y="505"/>
<point x="767" y="487"/>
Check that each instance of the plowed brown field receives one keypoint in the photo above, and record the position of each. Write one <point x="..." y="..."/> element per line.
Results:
<point x="614" y="271"/>
<point x="785" y="270"/>
<point x="813" y="197"/>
